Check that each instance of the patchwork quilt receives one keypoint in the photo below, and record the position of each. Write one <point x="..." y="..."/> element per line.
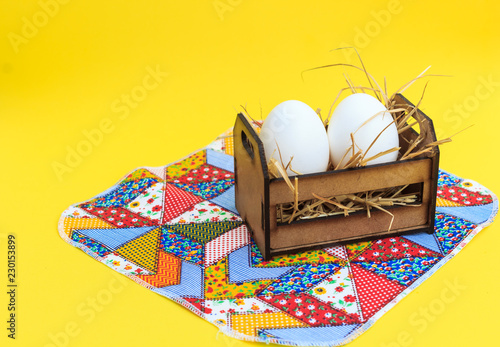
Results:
<point x="175" y="230"/>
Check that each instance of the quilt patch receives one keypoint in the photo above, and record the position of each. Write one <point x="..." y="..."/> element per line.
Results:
<point x="175" y="230"/>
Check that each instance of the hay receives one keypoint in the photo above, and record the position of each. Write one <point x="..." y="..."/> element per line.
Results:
<point x="405" y="118"/>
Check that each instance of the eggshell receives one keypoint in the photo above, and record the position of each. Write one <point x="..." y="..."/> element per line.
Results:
<point x="349" y="117"/>
<point x="298" y="132"/>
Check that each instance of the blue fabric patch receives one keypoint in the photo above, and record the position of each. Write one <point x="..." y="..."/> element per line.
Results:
<point x="207" y="190"/>
<point x="475" y="214"/>
<point x="451" y="230"/>
<point x="226" y="200"/>
<point x="240" y="270"/>
<point x="222" y="160"/>
<point x="123" y="193"/>
<point x="404" y="270"/>
<point x="93" y="245"/>
<point x="191" y="283"/>
<point x="301" y="279"/>
<point x="182" y="246"/>
<point x="424" y="239"/>
<point x="303" y="336"/>
<point x="115" y="238"/>
<point x="447" y="179"/>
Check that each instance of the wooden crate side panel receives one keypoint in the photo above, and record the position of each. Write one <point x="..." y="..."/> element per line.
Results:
<point x="353" y="180"/>
<point x="328" y="230"/>
<point x="252" y="191"/>
<point x="430" y="136"/>
<point x="427" y="125"/>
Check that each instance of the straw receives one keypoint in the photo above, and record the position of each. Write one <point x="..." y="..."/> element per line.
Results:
<point x="405" y="118"/>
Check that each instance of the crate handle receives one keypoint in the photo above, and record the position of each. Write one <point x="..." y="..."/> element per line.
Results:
<point x="247" y="144"/>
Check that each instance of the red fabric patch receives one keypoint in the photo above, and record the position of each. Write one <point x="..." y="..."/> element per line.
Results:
<point x="310" y="310"/>
<point x="177" y="201"/>
<point x="203" y="173"/>
<point x="463" y="196"/>
<point x="119" y="217"/>
<point x="199" y="304"/>
<point x="394" y="248"/>
<point x="374" y="291"/>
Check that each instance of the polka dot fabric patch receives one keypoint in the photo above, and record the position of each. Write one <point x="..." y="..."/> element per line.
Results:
<point x="165" y="229"/>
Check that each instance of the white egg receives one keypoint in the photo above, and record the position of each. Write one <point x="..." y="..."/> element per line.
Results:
<point x="352" y="115"/>
<point x="299" y="133"/>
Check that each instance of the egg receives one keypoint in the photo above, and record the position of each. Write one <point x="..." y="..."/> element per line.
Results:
<point x="297" y="131"/>
<point x="352" y="115"/>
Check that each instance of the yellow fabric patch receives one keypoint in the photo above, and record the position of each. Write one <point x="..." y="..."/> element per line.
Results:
<point x="229" y="144"/>
<point x="180" y="168"/>
<point x="217" y="284"/>
<point x="248" y="324"/>
<point x="143" y="251"/>
<point x="71" y="223"/>
<point x="140" y="174"/>
<point x="307" y="257"/>
<point x="440" y="202"/>
<point x="354" y="249"/>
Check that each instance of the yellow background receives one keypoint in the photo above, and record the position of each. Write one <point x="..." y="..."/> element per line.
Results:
<point x="64" y="70"/>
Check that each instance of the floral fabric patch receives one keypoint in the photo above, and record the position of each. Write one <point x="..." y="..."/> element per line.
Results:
<point x="123" y="265"/>
<point x="217" y="285"/>
<point x="394" y="248"/>
<point x="124" y="193"/>
<point x="207" y="190"/>
<point x="205" y="212"/>
<point x="149" y="203"/>
<point x="450" y="231"/>
<point x="182" y="246"/>
<point x="404" y="270"/>
<point x="118" y="216"/>
<point x="94" y="246"/>
<point x="182" y="167"/>
<point x="338" y="290"/>
<point x="204" y="173"/>
<point x="310" y="310"/>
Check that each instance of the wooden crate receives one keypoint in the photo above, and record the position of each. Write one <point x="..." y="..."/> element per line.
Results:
<point x="257" y="195"/>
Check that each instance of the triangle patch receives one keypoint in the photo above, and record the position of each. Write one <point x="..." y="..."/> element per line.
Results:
<point x="338" y="251"/>
<point x="338" y="291"/>
<point x="190" y="283"/>
<point x="71" y="224"/>
<point x="310" y="310"/>
<point x="353" y="249"/>
<point x="440" y="202"/>
<point x="218" y="287"/>
<point x="143" y="251"/>
<point x="204" y="232"/>
<point x="450" y="231"/>
<point x="149" y="204"/>
<point x="394" y="248"/>
<point x="205" y="212"/>
<point x="404" y="271"/>
<point x="140" y="174"/>
<point x="328" y="335"/>
<point x="226" y="200"/>
<point x="177" y="201"/>
<point x="240" y="269"/>
<point x="167" y="273"/>
<point x="427" y="240"/>
<point x="317" y="256"/>
<point x="226" y="243"/>
<point x="374" y="291"/>
<point x="115" y="238"/>
<point x="207" y="190"/>
<point x="181" y="167"/>
<point x="158" y="171"/>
